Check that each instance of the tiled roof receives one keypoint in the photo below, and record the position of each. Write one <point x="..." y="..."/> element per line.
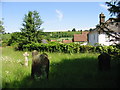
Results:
<point x="67" y="41"/>
<point x="80" y="37"/>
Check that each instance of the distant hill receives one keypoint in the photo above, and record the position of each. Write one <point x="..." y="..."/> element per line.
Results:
<point x="62" y="34"/>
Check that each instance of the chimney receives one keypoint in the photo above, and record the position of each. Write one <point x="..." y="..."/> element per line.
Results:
<point x="102" y="18"/>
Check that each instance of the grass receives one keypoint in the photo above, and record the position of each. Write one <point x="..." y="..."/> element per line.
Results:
<point x="66" y="71"/>
<point x="63" y="38"/>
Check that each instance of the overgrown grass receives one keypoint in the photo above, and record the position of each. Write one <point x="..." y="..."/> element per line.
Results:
<point x="0" y="69"/>
<point x="66" y="71"/>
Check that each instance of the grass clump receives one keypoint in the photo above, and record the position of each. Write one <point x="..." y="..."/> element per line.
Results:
<point x="66" y="71"/>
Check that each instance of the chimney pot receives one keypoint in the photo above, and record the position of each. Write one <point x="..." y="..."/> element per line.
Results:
<point x="102" y="18"/>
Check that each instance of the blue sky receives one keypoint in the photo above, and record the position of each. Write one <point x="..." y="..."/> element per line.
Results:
<point x="57" y="16"/>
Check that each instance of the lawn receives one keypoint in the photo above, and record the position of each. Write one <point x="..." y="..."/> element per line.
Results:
<point x="66" y="71"/>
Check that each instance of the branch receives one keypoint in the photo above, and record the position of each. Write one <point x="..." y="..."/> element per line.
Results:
<point x="110" y="32"/>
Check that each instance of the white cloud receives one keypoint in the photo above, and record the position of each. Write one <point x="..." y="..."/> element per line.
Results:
<point x="104" y="6"/>
<point x="59" y="14"/>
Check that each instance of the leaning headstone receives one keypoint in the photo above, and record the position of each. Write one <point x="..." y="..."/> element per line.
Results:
<point x="104" y="62"/>
<point x="26" y="58"/>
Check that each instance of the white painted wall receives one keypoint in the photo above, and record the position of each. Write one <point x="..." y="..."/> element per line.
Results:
<point x="94" y="38"/>
<point x="105" y="41"/>
<point x="101" y="38"/>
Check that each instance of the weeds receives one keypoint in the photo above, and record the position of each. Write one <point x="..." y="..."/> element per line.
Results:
<point x="66" y="71"/>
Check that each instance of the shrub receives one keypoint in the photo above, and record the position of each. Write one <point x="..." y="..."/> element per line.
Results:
<point x="67" y="48"/>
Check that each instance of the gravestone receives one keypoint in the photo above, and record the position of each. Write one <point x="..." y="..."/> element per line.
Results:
<point x="26" y="58"/>
<point x="40" y="65"/>
<point x="104" y="62"/>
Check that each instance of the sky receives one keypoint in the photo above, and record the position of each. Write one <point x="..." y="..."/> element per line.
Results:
<point x="57" y="16"/>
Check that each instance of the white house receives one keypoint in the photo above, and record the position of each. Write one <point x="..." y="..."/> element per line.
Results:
<point x="98" y="36"/>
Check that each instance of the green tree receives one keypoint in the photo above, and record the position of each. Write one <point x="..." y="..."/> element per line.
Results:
<point x="16" y="38"/>
<point x="2" y="29"/>
<point x="31" y="27"/>
<point x="68" y="30"/>
<point x="74" y="30"/>
<point x="114" y="8"/>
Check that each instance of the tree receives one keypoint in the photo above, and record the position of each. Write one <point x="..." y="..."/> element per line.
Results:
<point x="31" y="27"/>
<point x="74" y="30"/>
<point x="68" y="30"/>
<point x="2" y="29"/>
<point x="114" y="9"/>
<point x="16" y="38"/>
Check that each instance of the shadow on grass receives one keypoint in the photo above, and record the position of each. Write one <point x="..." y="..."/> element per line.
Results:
<point x="74" y="73"/>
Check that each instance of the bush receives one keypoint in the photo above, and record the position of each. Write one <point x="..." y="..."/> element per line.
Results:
<point x="68" y="48"/>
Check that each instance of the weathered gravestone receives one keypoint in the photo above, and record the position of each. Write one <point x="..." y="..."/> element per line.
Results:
<point x="40" y="65"/>
<point x="26" y="58"/>
<point x="104" y="62"/>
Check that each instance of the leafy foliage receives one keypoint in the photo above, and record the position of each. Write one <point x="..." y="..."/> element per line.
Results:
<point x="61" y="34"/>
<point x="70" y="48"/>
<point x="31" y="27"/>
<point x="30" y="32"/>
<point x="114" y="8"/>
<point x="2" y="29"/>
<point x="74" y="30"/>
<point x="5" y="38"/>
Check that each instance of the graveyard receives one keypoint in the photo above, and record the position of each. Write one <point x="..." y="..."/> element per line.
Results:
<point x="60" y="45"/>
<point x="78" y="70"/>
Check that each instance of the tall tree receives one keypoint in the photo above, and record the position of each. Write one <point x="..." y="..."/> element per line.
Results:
<point x="2" y="29"/>
<point x="31" y="26"/>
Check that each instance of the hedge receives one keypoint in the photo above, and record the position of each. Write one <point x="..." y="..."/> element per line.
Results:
<point x="69" y="48"/>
